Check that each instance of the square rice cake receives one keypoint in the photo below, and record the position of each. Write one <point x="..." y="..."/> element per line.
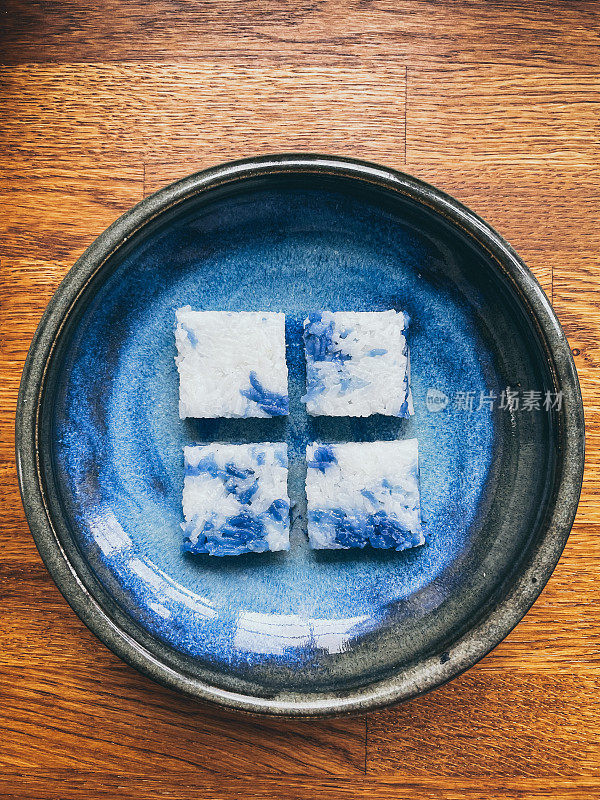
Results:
<point x="231" y="364"/>
<point x="364" y="493"/>
<point x="235" y="498"/>
<point x="357" y="364"/>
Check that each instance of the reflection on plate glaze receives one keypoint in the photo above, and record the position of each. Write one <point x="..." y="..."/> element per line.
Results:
<point x="257" y="633"/>
<point x="155" y="587"/>
<point x="276" y="633"/>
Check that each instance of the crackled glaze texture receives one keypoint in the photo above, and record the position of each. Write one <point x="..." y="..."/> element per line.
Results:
<point x="118" y="439"/>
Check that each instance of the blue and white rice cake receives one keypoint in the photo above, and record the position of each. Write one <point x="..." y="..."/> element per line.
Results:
<point x="231" y="364"/>
<point x="357" y="364"/>
<point x="235" y="498"/>
<point x="364" y="493"/>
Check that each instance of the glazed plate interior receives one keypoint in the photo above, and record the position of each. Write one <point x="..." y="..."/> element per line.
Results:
<point x="307" y="622"/>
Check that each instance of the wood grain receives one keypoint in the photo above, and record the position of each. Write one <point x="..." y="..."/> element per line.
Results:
<point x="577" y="302"/>
<point x="200" y="110"/>
<point x="69" y="785"/>
<point x="493" y="113"/>
<point x="137" y="729"/>
<point x="310" y="31"/>
<point x="104" y="102"/>
<point x="550" y="727"/>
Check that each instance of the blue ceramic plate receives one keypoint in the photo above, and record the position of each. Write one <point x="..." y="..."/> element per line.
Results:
<point x="497" y="415"/>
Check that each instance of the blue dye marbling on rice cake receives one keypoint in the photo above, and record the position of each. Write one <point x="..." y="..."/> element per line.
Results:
<point x="231" y="364"/>
<point x="235" y="498"/>
<point x="363" y="493"/>
<point x="357" y="364"/>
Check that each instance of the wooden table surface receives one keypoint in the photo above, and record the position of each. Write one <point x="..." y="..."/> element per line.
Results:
<point x="103" y="102"/>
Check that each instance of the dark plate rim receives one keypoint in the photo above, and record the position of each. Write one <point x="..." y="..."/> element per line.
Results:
<point x="421" y="677"/>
